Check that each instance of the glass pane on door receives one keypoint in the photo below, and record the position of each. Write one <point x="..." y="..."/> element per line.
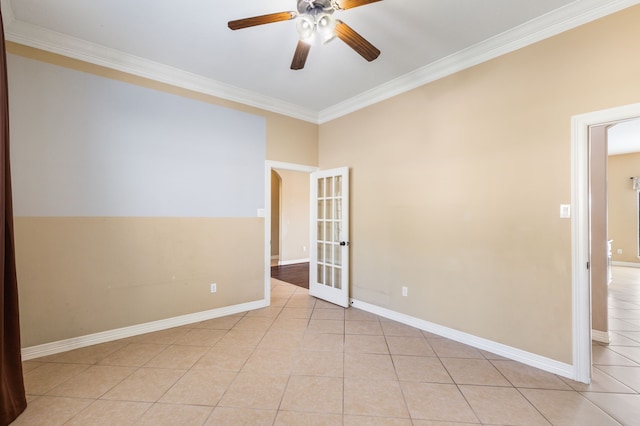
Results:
<point x="328" y="236"/>
<point x="328" y="257"/>
<point x="327" y="275"/>
<point x="320" y="274"/>
<point x="337" y="255"/>
<point x="338" y="183"/>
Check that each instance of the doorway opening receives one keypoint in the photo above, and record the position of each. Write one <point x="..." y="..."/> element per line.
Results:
<point x="581" y="230"/>
<point x="290" y="245"/>
<point x="284" y="234"/>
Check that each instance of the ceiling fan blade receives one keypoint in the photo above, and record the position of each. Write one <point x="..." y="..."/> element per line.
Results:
<point x="350" y="4"/>
<point x="356" y="41"/>
<point x="261" y="20"/>
<point x="300" y="56"/>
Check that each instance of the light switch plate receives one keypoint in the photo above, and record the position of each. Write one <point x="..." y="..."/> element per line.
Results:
<point x="565" y="211"/>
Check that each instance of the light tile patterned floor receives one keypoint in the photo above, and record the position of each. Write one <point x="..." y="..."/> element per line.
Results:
<point x="307" y="362"/>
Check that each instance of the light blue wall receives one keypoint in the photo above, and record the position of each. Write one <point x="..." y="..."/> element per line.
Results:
<point x="83" y="145"/>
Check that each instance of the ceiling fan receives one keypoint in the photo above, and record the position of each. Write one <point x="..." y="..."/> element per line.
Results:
<point x="314" y="20"/>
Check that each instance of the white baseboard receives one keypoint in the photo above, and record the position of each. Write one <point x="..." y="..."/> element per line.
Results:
<point x="627" y="264"/>
<point x="537" y="361"/>
<point x="600" y="336"/>
<point x="292" y="262"/>
<point x="134" y="330"/>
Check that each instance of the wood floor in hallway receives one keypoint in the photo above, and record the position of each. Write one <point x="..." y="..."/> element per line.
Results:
<point x="296" y="274"/>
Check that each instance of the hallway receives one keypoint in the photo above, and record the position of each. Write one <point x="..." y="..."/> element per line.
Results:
<point x="616" y="367"/>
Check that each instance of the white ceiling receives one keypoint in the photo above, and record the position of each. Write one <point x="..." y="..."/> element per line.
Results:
<point x="624" y="138"/>
<point x="187" y="43"/>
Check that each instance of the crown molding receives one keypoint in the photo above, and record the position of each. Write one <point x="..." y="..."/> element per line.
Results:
<point x="568" y="17"/>
<point x="51" y="41"/>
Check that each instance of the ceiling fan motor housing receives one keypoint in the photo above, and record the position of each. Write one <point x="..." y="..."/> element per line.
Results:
<point x="315" y="7"/>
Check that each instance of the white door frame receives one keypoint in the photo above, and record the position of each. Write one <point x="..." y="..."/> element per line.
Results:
<point x="581" y="286"/>
<point x="269" y="166"/>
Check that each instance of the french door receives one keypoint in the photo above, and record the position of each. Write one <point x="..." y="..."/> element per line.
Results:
<point x="329" y="254"/>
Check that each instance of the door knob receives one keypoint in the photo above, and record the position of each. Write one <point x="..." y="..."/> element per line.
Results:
<point x="344" y="243"/>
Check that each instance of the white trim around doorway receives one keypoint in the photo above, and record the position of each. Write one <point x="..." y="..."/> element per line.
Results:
<point x="581" y="286"/>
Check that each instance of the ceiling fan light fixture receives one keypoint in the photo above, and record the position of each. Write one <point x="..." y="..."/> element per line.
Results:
<point x="306" y="27"/>
<point x="326" y="27"/>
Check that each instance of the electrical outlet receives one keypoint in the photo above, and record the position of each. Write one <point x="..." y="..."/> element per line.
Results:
<point x="214" y="287"/>
<point x="404" y="291"/>
<point x="619" y="251"/>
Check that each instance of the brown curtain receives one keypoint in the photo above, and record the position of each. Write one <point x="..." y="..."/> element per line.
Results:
<point x="12" y="396"/>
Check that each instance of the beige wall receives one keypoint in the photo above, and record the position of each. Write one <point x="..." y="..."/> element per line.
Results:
<point x="294" y="219"/>
<point x="599" y="248"/>
<point x="82" y="275"/>
<point x="623" y="207"/>
<point x="456" y="186"/>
